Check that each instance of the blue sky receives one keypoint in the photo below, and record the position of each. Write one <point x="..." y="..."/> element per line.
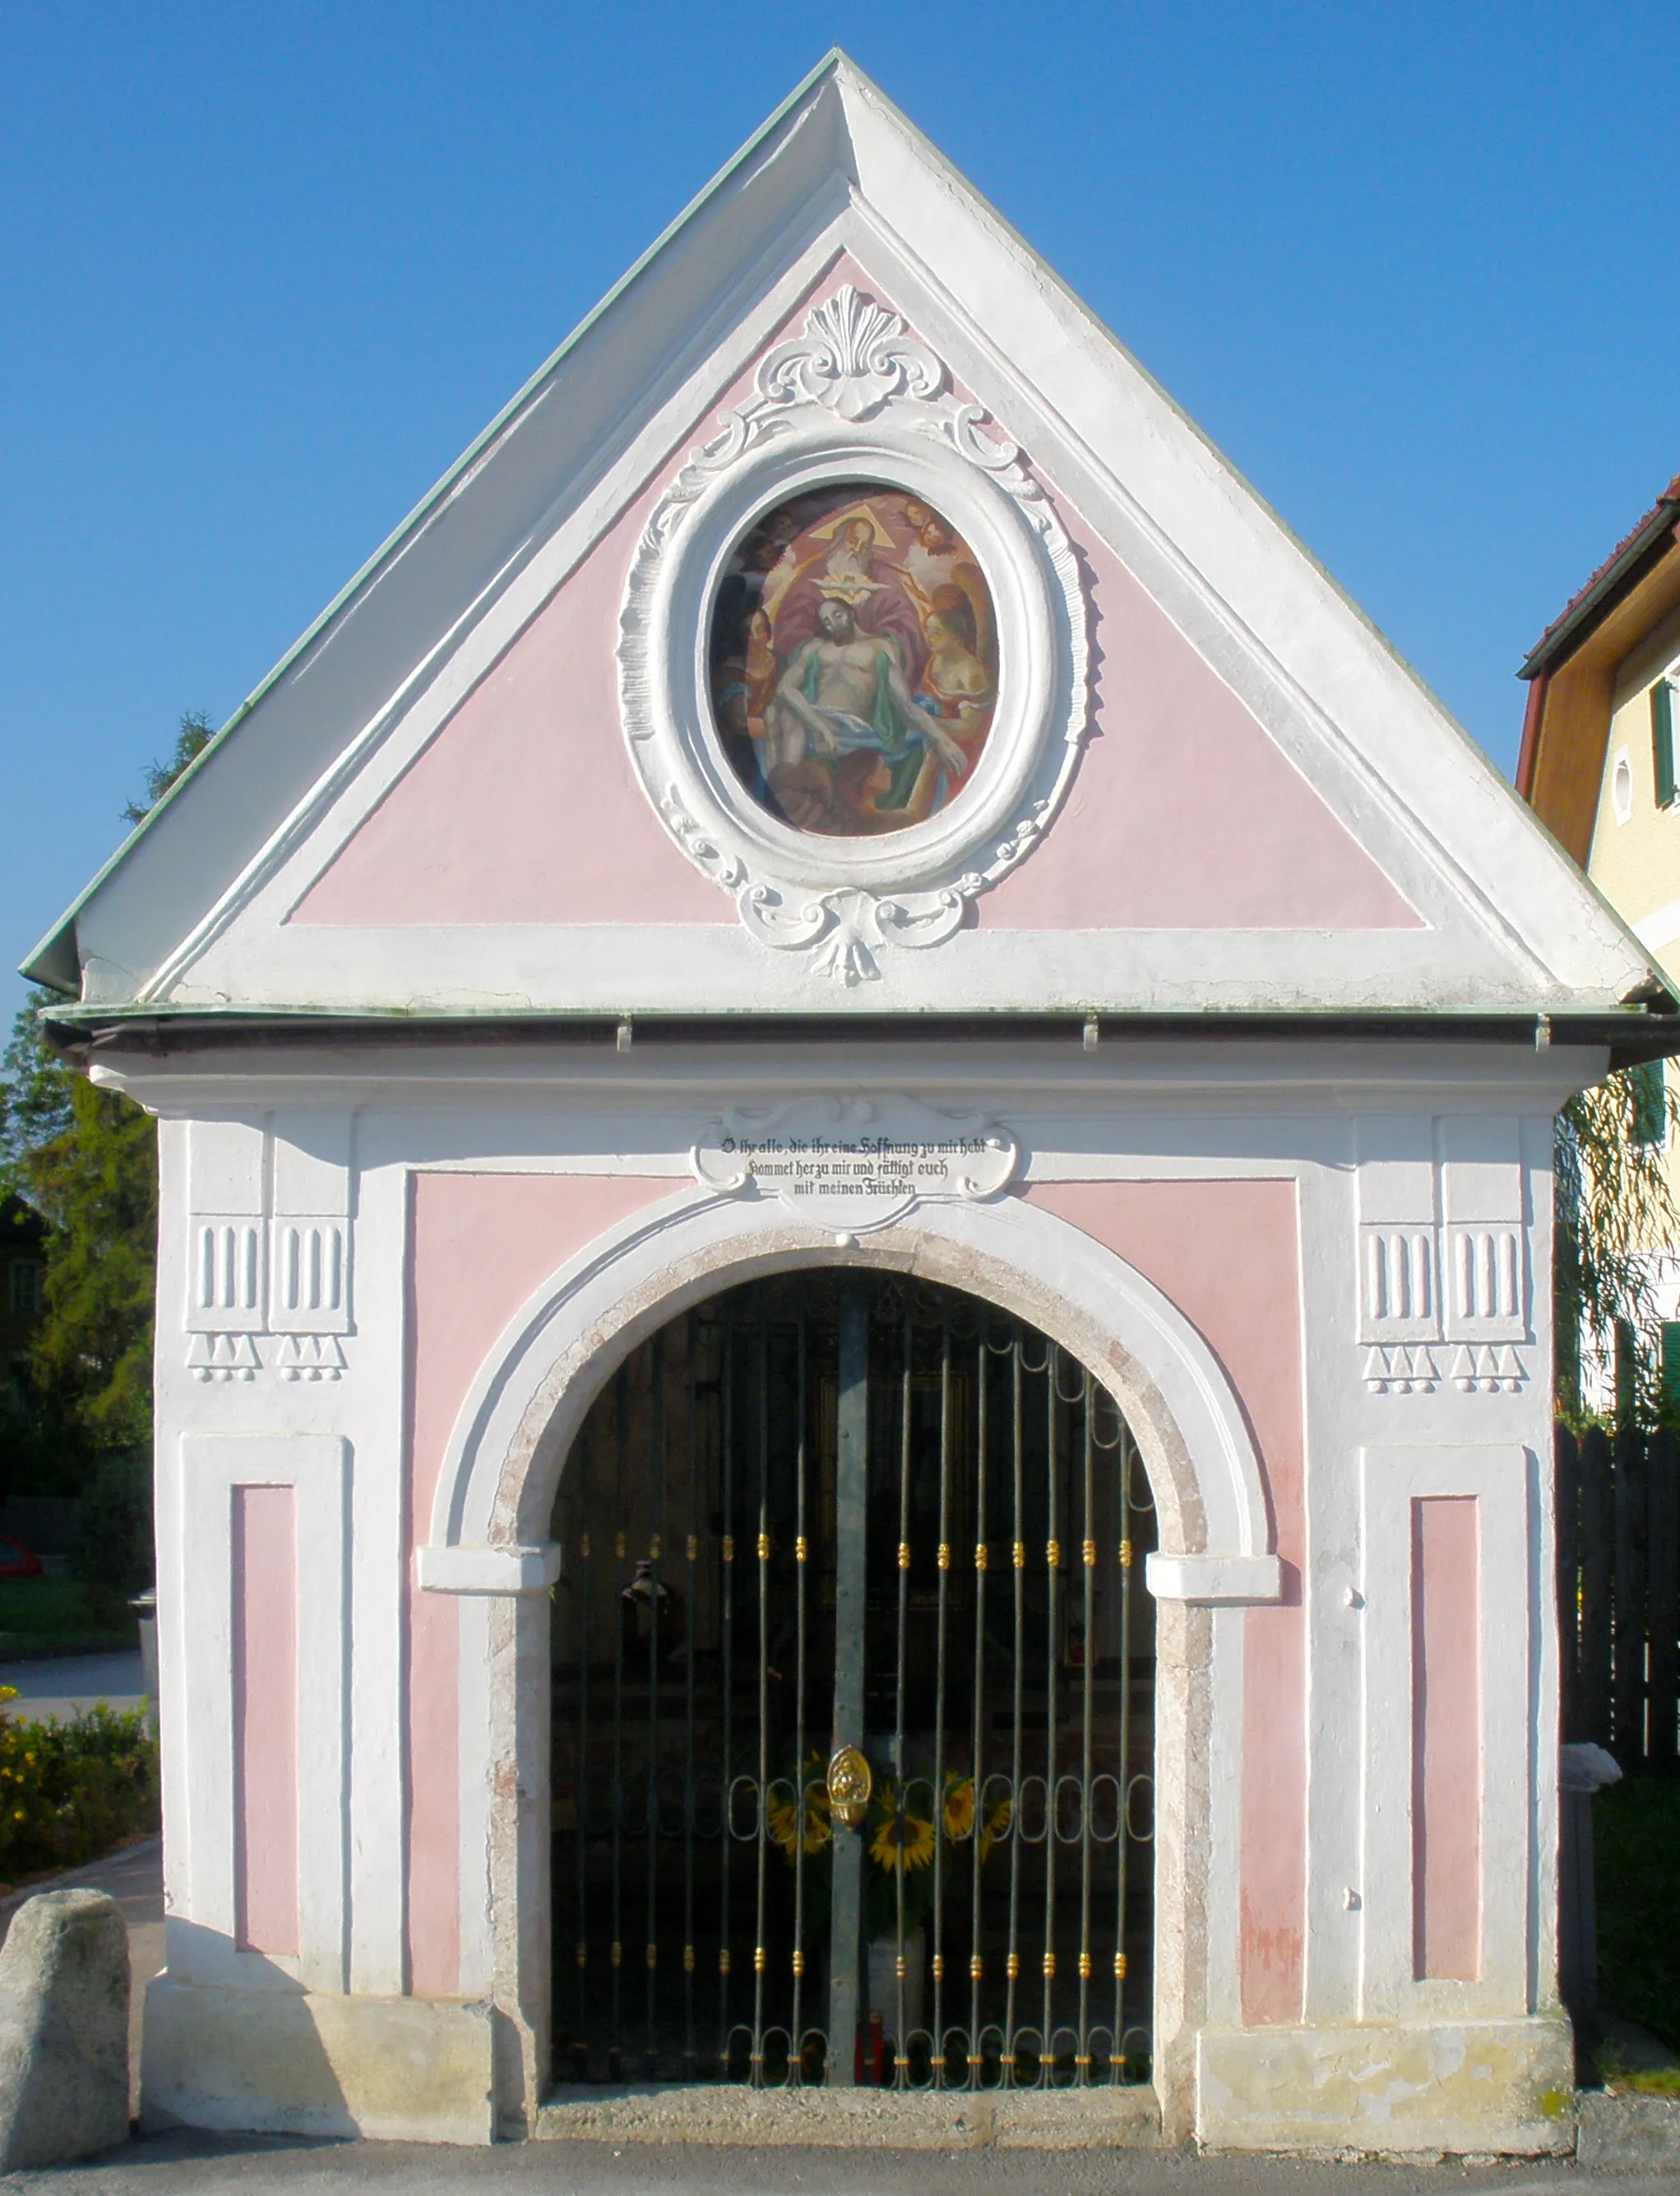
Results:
<point x="265" y="270"/>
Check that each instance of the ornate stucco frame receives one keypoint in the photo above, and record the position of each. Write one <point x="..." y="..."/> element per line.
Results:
<point x="855" y="399"/>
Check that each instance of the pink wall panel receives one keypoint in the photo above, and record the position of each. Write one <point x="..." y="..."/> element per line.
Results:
<point x="1185" y="813"/>
<point x="1447" y="1737"/>
<point x="479" y="1246"/>
<point x="265" y="1717"/>
<point x="524" y="808"/>
<point x="1228" y="1254"/>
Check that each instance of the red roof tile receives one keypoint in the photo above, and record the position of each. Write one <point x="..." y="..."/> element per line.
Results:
<point x="1668" y="502"/>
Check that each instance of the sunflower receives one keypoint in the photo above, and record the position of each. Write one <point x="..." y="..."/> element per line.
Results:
<point x="996" y="1828"/>
<point x="903" y="1843"/>
<point x="789" y="1823"/>
<point x="958" y="1819"/>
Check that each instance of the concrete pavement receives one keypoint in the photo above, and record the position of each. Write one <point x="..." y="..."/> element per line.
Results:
<point x="203" y="2166"/>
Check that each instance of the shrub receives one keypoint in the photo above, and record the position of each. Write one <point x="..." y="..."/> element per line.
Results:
<point x="1636" y="1829"/>
<point x="70" y="1791"/>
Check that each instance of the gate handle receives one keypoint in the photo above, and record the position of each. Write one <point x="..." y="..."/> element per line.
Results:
<point x="850" y="1784"/>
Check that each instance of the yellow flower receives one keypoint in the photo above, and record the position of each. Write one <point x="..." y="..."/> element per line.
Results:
<point x="959" y="1812"/>
<point x="17" y="1814"/>
<point x="785" y="1819"/>
<point x="996" y="1828"/>
<point x="905" y="1846"/>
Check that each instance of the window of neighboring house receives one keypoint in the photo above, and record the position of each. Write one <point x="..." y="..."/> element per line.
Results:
<point x="1626" y="1362"/>
<point x="1662" y="742"/>
<point x="26" y="1277"/>
<point x="1649" y="1124"/>
<point x="1671" y="1365"/>
<point x="1621" y="787"/>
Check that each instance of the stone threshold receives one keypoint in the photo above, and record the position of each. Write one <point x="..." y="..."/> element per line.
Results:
<point x="848" y="2119"/>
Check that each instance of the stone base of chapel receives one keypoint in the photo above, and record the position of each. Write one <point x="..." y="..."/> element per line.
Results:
<point x="1500" y="2087"/>
<point x="292" y="2063"/>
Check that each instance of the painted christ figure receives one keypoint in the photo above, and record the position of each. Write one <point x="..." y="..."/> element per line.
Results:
<point x="845" y="690"/>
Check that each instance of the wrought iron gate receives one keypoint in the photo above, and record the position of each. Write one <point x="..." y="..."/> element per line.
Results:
<point x="853" y="1705"/>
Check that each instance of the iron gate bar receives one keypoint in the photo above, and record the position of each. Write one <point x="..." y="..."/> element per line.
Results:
<point x="801" y="1795"/>
<point x="1087" y="1733"/>
<point x="1051" y="1649"/>
<point x="1117" y="2042"/>
<point x="760" y="1956"/>
<point x="937" y="2036"/>
<point x="852" y="1490"/>
<point x="581" y="1781"/>
<point x="727" y="1841"/>
<point x="690" y="1649"/>
<point x="976" y="1956"/>
<point x="616" y="1797"/>
<point x="901" y="1768"/>
<point x="655" y="1548"/>
<point x="1017" y="1549"/>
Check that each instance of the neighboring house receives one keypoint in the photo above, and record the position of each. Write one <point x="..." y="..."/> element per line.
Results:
<point x="1598" y="765"/>
<point x="853" y="1093"/>
<point x="23" y="1273"/>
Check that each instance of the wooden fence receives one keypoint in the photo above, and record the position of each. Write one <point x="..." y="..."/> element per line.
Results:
<point x="1618" y="1593"/>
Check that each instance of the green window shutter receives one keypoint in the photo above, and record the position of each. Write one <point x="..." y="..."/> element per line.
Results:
<point x="1662" y="741"/>
<point x="1649" y="1110"/>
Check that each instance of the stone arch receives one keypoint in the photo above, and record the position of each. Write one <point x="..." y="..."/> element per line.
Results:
<point x="501" y="1472"/>
<point x="502" y="1468"/>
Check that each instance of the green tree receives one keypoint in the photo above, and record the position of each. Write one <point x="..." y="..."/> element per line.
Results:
<point x="1614" y="1209"/>
<point x="86" y="1160"/>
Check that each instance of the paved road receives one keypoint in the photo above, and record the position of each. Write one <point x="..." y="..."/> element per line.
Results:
<point x="161" y="2167"/>
<point x="64" y="1685"/>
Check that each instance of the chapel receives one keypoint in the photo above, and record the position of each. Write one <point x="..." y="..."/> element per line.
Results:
<point x="853" y="1386"/>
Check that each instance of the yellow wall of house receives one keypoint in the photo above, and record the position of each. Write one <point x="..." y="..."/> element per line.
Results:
<point x="1635" y="860"/>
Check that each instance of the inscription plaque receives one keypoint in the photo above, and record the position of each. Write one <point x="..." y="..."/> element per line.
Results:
<point x="851" y="1163"/>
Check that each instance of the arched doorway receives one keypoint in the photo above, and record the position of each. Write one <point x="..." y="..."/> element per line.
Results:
<point x="852" y="1703"/>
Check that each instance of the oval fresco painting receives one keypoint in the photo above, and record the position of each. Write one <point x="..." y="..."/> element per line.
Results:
<point x="854" y="661"/>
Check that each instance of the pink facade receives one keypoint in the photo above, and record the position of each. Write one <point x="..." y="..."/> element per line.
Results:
<point x="265" y="1716"/>
<point x="1447" y="1737"/>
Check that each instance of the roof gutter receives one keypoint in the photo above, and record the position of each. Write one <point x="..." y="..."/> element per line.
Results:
<point x="1563" y="638"/>
<point x="1631" y="1034"/>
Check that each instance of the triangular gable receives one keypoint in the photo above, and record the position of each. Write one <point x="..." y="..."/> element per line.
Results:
<point x="446" y="796"/>
<point x="1184" y="815"/>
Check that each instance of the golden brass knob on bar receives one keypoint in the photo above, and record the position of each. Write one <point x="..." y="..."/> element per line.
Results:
<point x="850" y="1784"/>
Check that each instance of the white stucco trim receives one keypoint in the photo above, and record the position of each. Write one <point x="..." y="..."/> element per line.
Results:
<point x="213" y="1466"/>
<point x="1215" y="1580"/>
<point x="503" y="1461"/>
<point x="487" y="1570"/>
<point x="1502" y="1478"/>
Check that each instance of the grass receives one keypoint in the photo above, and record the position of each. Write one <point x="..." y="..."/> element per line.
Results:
<point x="1637" y="1876"/>
<point x="61" y="1616"/>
